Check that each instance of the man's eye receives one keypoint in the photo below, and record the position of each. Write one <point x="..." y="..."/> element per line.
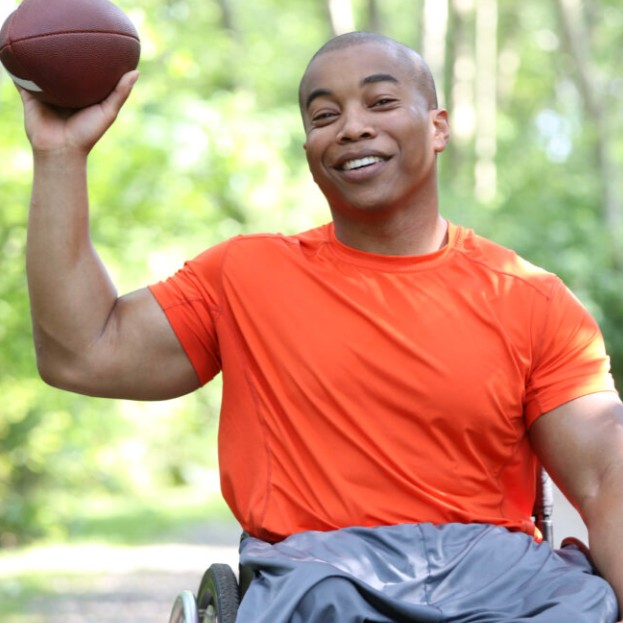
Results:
<point x="384" y="101"/>
<point x="323" y="117"/>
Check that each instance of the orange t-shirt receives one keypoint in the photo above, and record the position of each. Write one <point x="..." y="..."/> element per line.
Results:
<point x="365" y="390"/>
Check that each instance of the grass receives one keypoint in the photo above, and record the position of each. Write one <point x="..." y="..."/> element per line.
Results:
<point x="139" y="520"/>
<point x="94" y="527"/>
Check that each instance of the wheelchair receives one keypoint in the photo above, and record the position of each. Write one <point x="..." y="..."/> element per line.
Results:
<point x="220" y="591"/>
<point x="218" y="596"/>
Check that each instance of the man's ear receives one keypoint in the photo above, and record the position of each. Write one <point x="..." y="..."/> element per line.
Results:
<point x="441" y="127"/>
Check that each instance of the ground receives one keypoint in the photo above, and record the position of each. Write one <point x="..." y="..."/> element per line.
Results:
<point x="138" y="584"/>
<point x="108" y="584"/>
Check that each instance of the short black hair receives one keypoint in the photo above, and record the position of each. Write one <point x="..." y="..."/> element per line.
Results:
<point x="422" y="73"/>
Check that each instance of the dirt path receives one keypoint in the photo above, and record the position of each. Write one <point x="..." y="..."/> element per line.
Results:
<point x="108" y="584"/>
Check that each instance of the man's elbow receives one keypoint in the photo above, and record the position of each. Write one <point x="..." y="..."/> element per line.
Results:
<point x="51" y="373"/>
<point x="58" y="369"/>
<point x="604" y="498"/>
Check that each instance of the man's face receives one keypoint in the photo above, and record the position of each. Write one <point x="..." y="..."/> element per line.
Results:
<point x="372" y="138"/>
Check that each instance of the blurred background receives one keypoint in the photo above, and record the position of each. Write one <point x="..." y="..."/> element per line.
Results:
<point x="209" y="146"/>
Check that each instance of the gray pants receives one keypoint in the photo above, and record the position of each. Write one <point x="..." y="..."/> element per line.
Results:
<point x="421" y="573"/>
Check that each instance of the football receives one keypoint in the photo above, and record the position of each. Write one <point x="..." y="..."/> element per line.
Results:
<point x="68" y="53"/>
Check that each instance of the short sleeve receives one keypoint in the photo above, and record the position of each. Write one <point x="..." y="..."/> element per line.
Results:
<point x="190" y="300"/>
<point x="569" y="355"/>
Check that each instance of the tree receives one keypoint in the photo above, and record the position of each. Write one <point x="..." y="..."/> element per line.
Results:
<point x="578" y="37"/>
<point x="209" y="146"/>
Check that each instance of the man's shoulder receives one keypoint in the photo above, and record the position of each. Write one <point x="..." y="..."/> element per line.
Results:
<point x="258" y="241"/>
<point x="253" y="247"/>
<point x="492" y="257"/>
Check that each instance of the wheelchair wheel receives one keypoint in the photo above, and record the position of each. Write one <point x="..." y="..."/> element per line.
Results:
<point x="218" y="597"/>
<point x="185" y="609"/>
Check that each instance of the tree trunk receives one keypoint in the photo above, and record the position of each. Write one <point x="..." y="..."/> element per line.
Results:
<point x="577" y="40"/>
<point x="461" y="91"/>
<point x="486" y="104"/>
<point x="341" y="17"/>
<point x="227" y="17"/>
<point x="434" y="35"/>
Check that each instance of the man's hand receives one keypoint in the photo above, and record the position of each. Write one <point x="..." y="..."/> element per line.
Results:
<point x="52" y="129"/>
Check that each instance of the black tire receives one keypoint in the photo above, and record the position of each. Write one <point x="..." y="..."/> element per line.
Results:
<point x="218" y="597"/>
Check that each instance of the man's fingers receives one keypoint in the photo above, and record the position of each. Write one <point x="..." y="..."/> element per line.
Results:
<point x="122" y="91"/>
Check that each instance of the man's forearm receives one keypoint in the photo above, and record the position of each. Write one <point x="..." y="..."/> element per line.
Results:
<point x="603" y="516"/>
<point x="70" y="292"/>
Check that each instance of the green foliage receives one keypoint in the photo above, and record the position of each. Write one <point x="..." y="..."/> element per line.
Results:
<point x="209" y="146"/>
<point x="548" y="205"/>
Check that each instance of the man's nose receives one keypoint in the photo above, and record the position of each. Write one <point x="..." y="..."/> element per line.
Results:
<point x="356" y="125"/>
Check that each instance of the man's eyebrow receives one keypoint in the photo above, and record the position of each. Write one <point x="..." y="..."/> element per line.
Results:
<point x="378" y="78"/>
<point x="372" y="79"/>
<point x="317" y="93"/>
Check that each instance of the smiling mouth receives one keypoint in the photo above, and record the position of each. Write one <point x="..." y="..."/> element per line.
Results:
<point x="360" y="163"/>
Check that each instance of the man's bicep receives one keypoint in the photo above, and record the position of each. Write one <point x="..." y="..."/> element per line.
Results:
<point x="139" y="356"/>
<point x="579" y="441"/>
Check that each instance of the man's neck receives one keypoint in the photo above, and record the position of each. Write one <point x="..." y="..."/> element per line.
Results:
<point x="395" y="237"/>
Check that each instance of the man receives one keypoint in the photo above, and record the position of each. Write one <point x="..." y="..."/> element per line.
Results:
<point x="387" y="377"/>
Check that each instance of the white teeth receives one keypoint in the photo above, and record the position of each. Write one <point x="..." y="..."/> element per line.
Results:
<point x="360" y="162"/>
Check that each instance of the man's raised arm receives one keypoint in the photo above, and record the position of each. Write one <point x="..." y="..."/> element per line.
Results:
<point x="87" y="339"/>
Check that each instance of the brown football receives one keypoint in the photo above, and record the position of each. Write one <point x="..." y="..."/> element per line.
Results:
<point x="68" y="53"/>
